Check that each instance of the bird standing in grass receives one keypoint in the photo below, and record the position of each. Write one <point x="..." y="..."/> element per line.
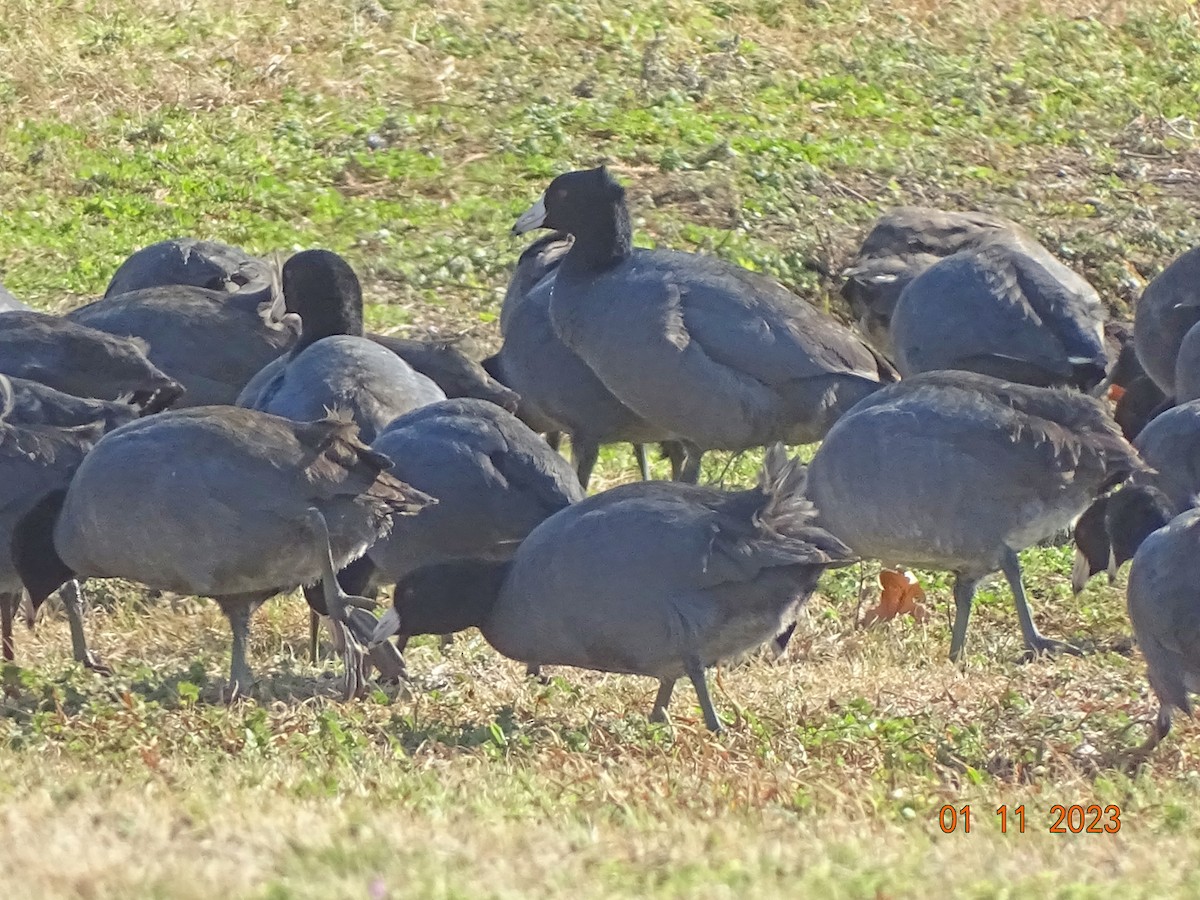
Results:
<point x="654" y="578"/>
<point x="712" y="353"/>
<point x="218" y="502"/>
<point x="959" y="471"/>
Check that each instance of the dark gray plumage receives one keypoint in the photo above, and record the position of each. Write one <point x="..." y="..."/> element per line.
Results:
<point x="1138" y="397"/>
<point x="189" y="261"/>
<point x="903" y="243"/>
<point x="49" y="432"/>
<point x="1170" y="447"/>
<point x="495" y="481"/>
<point x="534" y="267"/>
<point x="83" y="361"/>
<point x="1187" y="367"/>
<point x="654" y="578"/>
<point x="559" y="393"/>
<point x="333" y="366"/>
<point x="212" y="342"/>
<point x="1167" y="310"/>
<point x="959" y="471"/>
<point x="450" y="369"/>
<point x="37" y="458"/>
<point x="37" y="404"/>
<point x="1164" y="608"/>
<point x="717" y="355"/>
<point x="1003" y="307"/>
<point x="250" y="505"/>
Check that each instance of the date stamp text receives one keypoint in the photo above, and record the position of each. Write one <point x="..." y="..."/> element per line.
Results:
<point x="1074" y="819"/>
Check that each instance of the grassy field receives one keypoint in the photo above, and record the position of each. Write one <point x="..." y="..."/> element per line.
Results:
<point x="408" y="136"/>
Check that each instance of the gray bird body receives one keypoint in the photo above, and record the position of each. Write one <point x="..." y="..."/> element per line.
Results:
<point x="536" y="264"/>
<point x="44" y="436"/>
<point x="212" y="342"/>
<point x="959" y="471"/>
<point x="654" y="578"/>
<point x="1003" y="307"/>
<point x="564" y="393"/>
<point x="717" y="355"/>
<point x="495" y="481"/>
<point x="189" y="261"/>
<point x="1170" y="446"/>
<point x="559" y="393"/>
<point x="37" y="404"/>
<point x="245" y="506"/>
<point x="351" y="374"/>
<point x="1165" y="610"/>
<point x="644" y="577"/>
<point x="1166" y="311"/>
<point x="35" y="460"/>
<point x="902" y="244"/>
<point x="82" y="361"/>
<point x="227" y="515"/>
<point x="332" y="366"/>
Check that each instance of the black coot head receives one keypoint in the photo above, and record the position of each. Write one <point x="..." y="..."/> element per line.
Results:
<point x="323" y="290"/>
<point x="574" y="202"/>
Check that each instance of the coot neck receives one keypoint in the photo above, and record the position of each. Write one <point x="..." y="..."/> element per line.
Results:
<point x="1137" y="515"/>
<point x="451" y="597"/>
<point x="326" y="316"/>
<point x="605" y="240"/>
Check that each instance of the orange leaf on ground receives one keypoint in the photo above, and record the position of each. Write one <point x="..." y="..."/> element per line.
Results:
<point x="899" y="596"/>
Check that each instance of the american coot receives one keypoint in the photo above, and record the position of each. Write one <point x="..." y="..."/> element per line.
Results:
<point x="36" y="458"/>
<point x="653" y="578"/>
<point x="1163" y="604"/>
<point x="210" y="341"/>
<point x="75" y="423"/>
<point x="495" y="480"/>
<point x="450" y="369"/>
<point x="238" y="514"/>
<point x="559" y="393"/>
<point x="535" y="264"/>
<point x="1170" y="448"/>
<point x="82" y="361"/>
<point x="332" y="366"/>
<point x="710" y="352"/>
<point x="1166" y="311"/>
<point x="1003" y="307"/>
<point x="960" y="471"/>
<point x="189" y="261"/>
<point x="903" y="243"/>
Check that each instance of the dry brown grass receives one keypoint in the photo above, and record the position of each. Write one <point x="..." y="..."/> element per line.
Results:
<point x="830" y="779"/>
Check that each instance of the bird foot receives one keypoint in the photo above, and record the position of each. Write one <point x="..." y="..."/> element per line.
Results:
<point x="1044" y="646"/>
<point x="92" y="662"/>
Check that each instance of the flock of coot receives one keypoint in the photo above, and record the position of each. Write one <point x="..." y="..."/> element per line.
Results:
<point x="222" y="426"/>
